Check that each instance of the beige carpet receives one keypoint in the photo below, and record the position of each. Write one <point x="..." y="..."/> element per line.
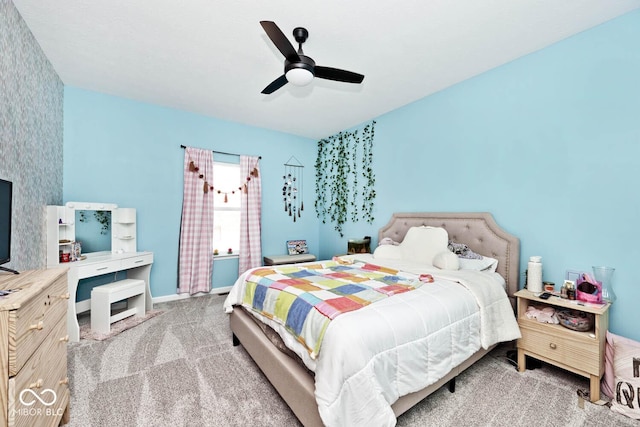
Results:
<point x="180" y="369"/>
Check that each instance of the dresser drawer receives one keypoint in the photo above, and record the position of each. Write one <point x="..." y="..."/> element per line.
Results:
<point x="45" y="375"/>
<point x="574" y="350"/>
<point x="138" y="261"/>
<point x="30" y="324"/>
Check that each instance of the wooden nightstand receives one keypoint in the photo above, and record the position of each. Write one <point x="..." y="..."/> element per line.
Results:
<point x="578" y="352"/>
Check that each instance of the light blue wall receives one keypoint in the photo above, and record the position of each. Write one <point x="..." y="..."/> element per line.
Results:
<point x="550" y="144"/>
<point x="128" y="153"/>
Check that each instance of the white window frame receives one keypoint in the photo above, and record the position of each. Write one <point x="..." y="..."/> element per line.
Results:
<point x="220" y="206"/>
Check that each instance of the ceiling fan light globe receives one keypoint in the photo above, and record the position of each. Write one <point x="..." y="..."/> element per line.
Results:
<point x="299" y="76"/>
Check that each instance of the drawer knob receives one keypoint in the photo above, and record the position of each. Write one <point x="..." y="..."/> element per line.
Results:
<point x="37" y="326"/>
<point x="64" y="381"/>
<point x="553" y="346"/>
<point x="65" y="338"/>
<point x="37" y="384"/>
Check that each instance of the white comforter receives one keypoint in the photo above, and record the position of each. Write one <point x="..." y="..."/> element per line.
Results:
<point x="372" y="356"/>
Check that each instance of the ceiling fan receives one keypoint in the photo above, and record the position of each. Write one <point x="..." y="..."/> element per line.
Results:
<point x="299" y="69"/>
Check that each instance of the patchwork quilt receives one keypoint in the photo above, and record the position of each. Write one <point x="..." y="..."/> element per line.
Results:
<point x="305" y="299"/>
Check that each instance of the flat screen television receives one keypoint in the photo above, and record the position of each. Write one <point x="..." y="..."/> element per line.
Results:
<point x="6" y="193"/>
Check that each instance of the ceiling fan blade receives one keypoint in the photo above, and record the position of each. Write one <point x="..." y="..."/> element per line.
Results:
<point x="336" y="74"/>
<point x="275" y="85"/>
<point x="280" y="40"/>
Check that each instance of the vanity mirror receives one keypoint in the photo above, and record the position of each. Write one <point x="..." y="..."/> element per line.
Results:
<point x="93" y="226"/>
<point x="97" y="227"/>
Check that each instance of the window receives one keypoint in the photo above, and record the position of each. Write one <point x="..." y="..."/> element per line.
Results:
<point x="226" y="214"/>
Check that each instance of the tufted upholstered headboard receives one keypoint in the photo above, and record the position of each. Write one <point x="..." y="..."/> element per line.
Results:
<point x="478" y="230"/>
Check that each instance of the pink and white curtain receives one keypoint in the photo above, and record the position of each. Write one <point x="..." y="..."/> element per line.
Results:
<point x="195" y="263"/>
<point x="250" y="206"/>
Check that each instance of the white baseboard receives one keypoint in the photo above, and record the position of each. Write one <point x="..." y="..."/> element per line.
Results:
<point x="221" y="290"/>
<point x="176" y="297"/>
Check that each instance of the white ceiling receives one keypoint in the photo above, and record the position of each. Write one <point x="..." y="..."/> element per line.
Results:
<point x="213" y="57"/>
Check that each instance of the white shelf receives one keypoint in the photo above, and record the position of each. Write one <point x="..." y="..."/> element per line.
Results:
<point x="124" y="230"/>
<point x="60" y="226"/>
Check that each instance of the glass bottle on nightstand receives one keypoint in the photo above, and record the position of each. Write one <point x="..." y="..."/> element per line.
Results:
<point x="605" y="275"/>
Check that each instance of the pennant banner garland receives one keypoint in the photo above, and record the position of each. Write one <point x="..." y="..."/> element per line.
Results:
<point x="206" y="187"/>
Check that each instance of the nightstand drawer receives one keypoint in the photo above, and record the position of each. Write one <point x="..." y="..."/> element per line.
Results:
<point x="578" y="352"/>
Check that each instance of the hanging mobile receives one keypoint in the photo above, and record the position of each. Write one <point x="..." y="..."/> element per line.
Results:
<point x="292" y="188"/>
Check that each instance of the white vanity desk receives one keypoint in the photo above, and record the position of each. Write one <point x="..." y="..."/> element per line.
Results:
<point x="136" y="264"/>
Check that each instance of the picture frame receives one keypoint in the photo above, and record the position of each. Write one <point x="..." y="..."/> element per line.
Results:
<point x="572" y="275"/>
<point x="296" y="247"/>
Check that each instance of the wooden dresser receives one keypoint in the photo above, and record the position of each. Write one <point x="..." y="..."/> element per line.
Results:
<point x="33" y="348"/>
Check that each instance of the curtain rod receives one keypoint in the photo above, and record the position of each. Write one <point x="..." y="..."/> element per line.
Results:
<point x="222" y="152"/>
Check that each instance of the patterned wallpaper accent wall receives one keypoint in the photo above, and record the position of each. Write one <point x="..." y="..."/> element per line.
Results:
<point x="31" y="143"/>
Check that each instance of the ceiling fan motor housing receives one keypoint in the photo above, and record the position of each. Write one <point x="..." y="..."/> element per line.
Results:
<point x="300" y="73"/>
<point x="300" y="34"/>
<point x="305" y="63"/>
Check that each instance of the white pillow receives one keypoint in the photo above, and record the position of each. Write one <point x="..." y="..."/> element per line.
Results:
<point x="422" y="244"/>
<point x="446" y="260"/>
<point x="387" y="252"/>
<point x="484" y="264"/>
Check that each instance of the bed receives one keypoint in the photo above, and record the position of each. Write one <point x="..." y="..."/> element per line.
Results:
<point x="297" y="386"/>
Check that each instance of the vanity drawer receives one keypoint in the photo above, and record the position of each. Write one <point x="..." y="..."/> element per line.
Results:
<point x="45" y="374"/>
<point x="93" y="270"/>
<point x="34" y="320"/>
<point x="577" y="351"/>
<point x="138" y="261"/>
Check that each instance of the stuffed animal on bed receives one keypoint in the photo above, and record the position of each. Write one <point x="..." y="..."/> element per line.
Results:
<point x="463" y="250"/>
<point x="388" y="241"/>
